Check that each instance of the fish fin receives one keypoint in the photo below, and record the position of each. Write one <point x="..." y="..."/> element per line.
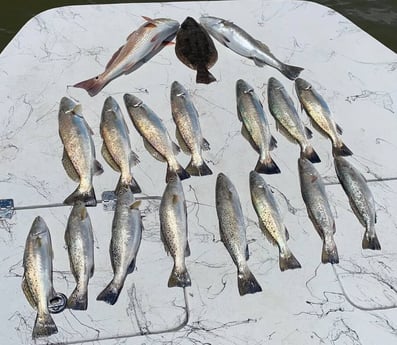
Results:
<point x="267" y="166"/>
<point x="92" y="270"/>
<point x="273" y="143"/>
<point x="78" y="110"/>
<point x="370" y="242"/>
<point x="153" y="151"/>
<point x="28" y="293"/>
<point x="187" y="249"/>
<point x="98" y="169"/>
<point x="267" y="234"/>
<point x="247" y="283"/>
<point x="179" y="277"/>
<point x="69" y="167"/>
<point x="108" y="158"/>
<point x="88" y="198"/>
<point x="309" y="133"/>
<point x="134" y="159"/>
<point x="44" y="326"/>
<point x="175" y="148"/>
<point x="339" y="129"/>
<point x="78" y="300"/>
<point x="181" y="141"/>
<point x="93" y="86"/>
<point x="203" y="76"/>
<point x="258" y="62"/>
<point x="247" y="252"/>
<point x="162" y="237"/>
<point x="115" y="55"/>
<point x="263" y="46"/>
<point x="330" y="255"/>
<point x="247" y="136"/>
<point x="291" y="72"/>
<point x="110" y="294"/>
<point x="135" y="205"/>
<point x="239" y="116"/>
<point x="342" y="150"/>
<point x="205" y="145"/>
<point x="133" y="185"/>
<point x="131" y="267"/>
<point x="288" y="262"/>
<point x="201" y="169"/>
<point x="149" y="20"/>
<point x="182" y="173"/>
<point x="311" y="155"/>
<point x="286" y="233"/>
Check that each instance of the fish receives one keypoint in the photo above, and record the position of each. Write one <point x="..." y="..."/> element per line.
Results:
<point x="360" y="198"/>
<point x="79" y="152"/>
<point x="124" y="245"/>
<point x="242" y="43"/>
<point x="318" y="208"/>
<point x="156" y="138"/>
<point x="174" y="231"/>
<point x="188" y="130"/>
<point x="255" y="127"/>
<point x="321" y="117"/>
<point x="233" y="233"/>
<point x="287" y="119"/>
<point x="116" y="147"/>
<point x="79" y="241"/>
<point x="270" y="221"/>
<point x="37" y="277"/>
<point x="141" y="46"/>
<point x="195" y="48"/>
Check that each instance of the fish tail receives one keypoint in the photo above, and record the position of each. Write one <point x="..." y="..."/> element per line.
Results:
<point x="330" y="252"/>
<point x="78" y="300"/>
<point x="370" y="241"/>
<point x="110" y="293"/>
<point x="267" y="166"/>
<point x="88" y="198"/>
<point x="288" y="261"/>
<point x="341" y="150"/>
<point x="291" y="72"/>
<point x="200" y="169"/>
<point x="179" y="277"/>
<point x="247" y="282"/>
<point x="92" y="86"/>
<point x="132" y="184"/>
<point x="182" y="173"/>
<point x="44" y="326"/>
<point x="203" y="76"/>
<point x="311" y="155"/>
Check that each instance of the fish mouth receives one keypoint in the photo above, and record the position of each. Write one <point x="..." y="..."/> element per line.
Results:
<point x="110" y="104"/>
<point x="132" y="101"/>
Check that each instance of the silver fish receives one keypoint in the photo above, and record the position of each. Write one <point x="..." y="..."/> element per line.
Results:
<point x="173" y="227"/>
<point x="232" y="232"/>
<point x="287" y="119"/>
<point x="116" y="148"/>
<point x="155" y="135"/>
<point x="255" y="127"/>
<point x="79" y="152"/>
<point x="188" y="130"/>
<point x="37" y="277"/>
<point x="242" y="43"/>
<point x="124" y="244"/>
<point x="79" y="240"/>
<point x="360" y="198"/>
<point x="270" y="220"/>
<point x="318" y="111"/>
<point x="140" y="47"/>
<point x="318" y="208"/>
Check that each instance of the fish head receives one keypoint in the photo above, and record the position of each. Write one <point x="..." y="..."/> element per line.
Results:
<point x="274" y="83"/>
<point x="224" y="187"/>
<point x="242" y="87"/>
<point x="110" y="108"/>
<point x="177" y="89"/>
<point x="256" y="180"/>
<point x="39" y="228"/>
<point x="217" y="27"/>
<point x="69" y="106"/>
<point x="302" y="85"/>
<point x="132" y="101"/>
<point x="166" y="25"/>
<point x="307" y="169"/>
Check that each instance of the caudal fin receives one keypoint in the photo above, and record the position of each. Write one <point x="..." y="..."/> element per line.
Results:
<point x="88" y="198"/>
<point x="78" y="299"/>
<point x="110" y="294"/>
<point x="44" y="326"/>
<point x="203" y="76"/>
<point x="198" y="170"/>
<point x="267" y="166"/>
<point x="330" y="252"/>
<point x="291" y="72"/>
<point x="179" y="277"/>
<point x="288" y="262"/>
<point x="341" y="150"/>
<point x="247" y="283"/>
<point x="370" y="241"/>
<point x="92" y="86"/>
<point x="182" y="173"/>
<point x="311" y="155"/>
<point x="132" y="184"/>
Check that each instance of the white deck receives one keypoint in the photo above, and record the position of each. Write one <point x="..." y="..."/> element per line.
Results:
<point x="356" y="75"/>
